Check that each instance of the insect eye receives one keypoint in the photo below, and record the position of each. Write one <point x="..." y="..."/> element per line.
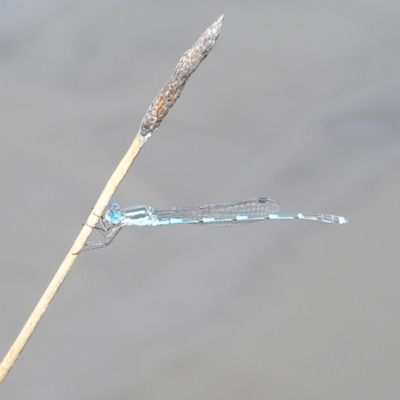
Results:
<point x="114" y="217"/>
<point x="114" y="207"/>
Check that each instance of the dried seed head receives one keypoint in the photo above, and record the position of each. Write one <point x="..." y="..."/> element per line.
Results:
<point x="171" y="91"/>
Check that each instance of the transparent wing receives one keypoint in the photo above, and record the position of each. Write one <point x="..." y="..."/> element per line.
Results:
<point x="228" y="213"/>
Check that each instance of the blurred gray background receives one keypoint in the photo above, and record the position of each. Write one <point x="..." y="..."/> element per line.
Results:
<point x="298" y="101"/>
